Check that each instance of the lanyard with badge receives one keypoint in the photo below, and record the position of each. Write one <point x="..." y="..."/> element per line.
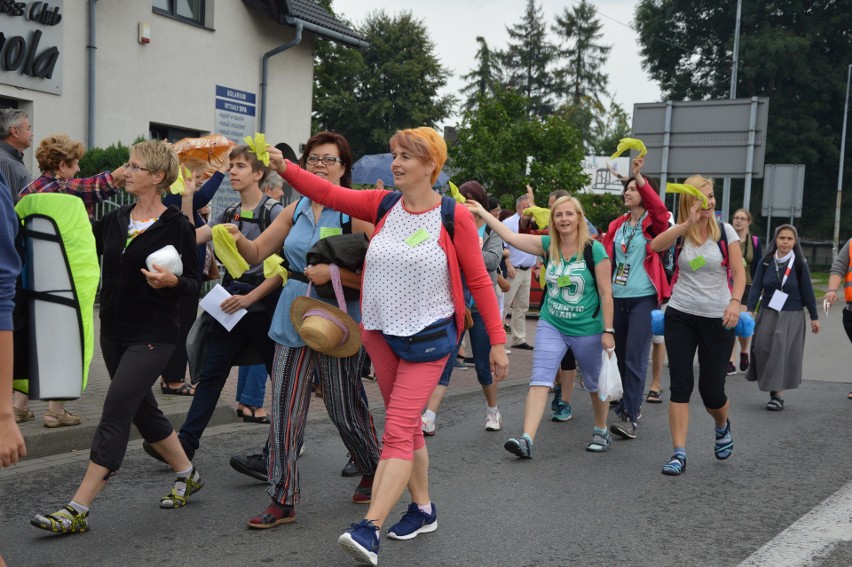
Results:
<point x="622" y="271"/>
<point x="779" y="298"/>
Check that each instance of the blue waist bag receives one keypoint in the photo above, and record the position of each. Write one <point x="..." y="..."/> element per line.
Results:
<point x="432" y="343"/>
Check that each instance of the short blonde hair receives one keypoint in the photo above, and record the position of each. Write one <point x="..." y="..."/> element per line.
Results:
<point x="55" y="149"/>
<point x="555" y="250"/>
<point x="158" y="156"/>
<point x="686" y="203"/>
<point x="425" y="144"/>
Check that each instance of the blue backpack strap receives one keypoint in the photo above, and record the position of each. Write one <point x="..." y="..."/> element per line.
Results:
<point x="386" y="204"/>
<point x="448" y="215"/>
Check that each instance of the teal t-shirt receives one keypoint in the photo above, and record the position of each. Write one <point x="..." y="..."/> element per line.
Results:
<point x="572" y="294"/>
<point x="629" y="278"/>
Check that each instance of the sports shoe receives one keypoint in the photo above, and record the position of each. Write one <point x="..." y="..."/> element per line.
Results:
<point x="493" y="420"/>
<point x="364" y="490"/>
<point x="361" y="542"/>
<point x="350" y="469"/>
<point x="562" y="412"/>
<point x="182" y="490"/>
<point x="731" y="369"/>
<point x="428" y="425"/>
<point x="469" y="361"/>
<point x="520" y="446"/>
<point x="251" y="465"/>
<point x="64" y="521"/>
<point x="676" y="466"/>
<point x="414" y="522"/>
<point x="624" y="429"/>
<point x="64" y="418"/>
<point x="600" y="442"/>
<point x="524" y="346"/>
<point x="275" y="515"/>
<point x="459" y="365"/>
<point x="557" y="397"/>
<point x="743" y="361"/>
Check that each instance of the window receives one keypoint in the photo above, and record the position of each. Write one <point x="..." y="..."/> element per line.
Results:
<point x="190" y="11"/>
<point x="170" y="133"/>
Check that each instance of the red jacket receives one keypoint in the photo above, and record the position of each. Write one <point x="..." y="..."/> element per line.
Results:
<point x="655" y="223"/>
<point x="364" y="205"/>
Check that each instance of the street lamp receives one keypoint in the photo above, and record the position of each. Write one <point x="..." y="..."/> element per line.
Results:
<point x="840" y="170"/>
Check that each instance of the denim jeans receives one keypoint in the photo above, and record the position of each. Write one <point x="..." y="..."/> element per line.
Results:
<point x="632" y="323"/>
<point x="222" y="353"/>
<point x="480" y="344"/>
<point x="251" y="385"/>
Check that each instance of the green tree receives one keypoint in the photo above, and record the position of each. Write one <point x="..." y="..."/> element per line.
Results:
<point x="497" y="136"/>
<point x="527" y="61"/>
<point x="791" y="51"/>
<point x="368" y="95"/>
<point x="485" y="78"/>
<point x="582" y="55"/>
<point x="110" y="158"/>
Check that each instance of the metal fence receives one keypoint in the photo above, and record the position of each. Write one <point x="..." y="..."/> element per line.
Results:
<point x="122" y="198"/>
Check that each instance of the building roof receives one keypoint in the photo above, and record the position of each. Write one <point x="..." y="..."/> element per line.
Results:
<point x="312" y="16"/>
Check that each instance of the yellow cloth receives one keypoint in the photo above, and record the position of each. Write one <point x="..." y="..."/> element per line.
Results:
<point x="272" y="267"/>
<point x="454" y="193"/>
<point x="541" y="216"/>
<point x="630" y="144"/>
<point x="685" y="189"/>
<point x="179" y="187"/>
<point x="226" y="251"/>
<point x="258" y="147"/>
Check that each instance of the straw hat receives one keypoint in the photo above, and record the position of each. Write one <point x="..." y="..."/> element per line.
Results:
<point x="325" y="328"/>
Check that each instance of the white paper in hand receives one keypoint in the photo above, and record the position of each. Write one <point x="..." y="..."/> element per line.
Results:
<point x="212" y="304"/>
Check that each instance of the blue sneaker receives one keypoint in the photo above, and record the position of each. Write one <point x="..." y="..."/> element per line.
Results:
<point x="562" y="412"/>
<point x="361" y="542"/>
<point x="414" y="522"/>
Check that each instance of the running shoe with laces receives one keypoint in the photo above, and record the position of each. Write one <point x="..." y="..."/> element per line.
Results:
<point x="361" y="542"/>
<point x="64" y="521"/>
<point x="625" y="429"/>
<point x="557" y="397"/>
<point x="182" y="490"/>
<point x="519" y="446"/>
<point x="414" y="522"/>
<point x="562" y="412"/>
<point x="428" y="425"/>
<point x="493" y="420"/>
<point x="731" y="369"/>
<point x="251" y="465"/>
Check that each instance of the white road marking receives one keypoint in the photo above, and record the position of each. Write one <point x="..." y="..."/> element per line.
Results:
<point x="812" y="537"/>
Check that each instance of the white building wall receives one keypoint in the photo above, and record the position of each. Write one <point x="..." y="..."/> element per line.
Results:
<point x="172" y="79"/>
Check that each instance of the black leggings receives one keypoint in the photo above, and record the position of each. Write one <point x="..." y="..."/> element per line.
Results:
<point x="684" y="334"/>
<point x="133" y="369"/>
<point x="847" y="323"/>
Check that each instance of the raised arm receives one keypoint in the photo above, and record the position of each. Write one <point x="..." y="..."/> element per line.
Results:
<point x="667" y="239"/>
<point x="529" y="243"/>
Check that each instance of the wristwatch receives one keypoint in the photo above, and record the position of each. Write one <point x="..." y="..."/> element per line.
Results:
<point x="610" y="331"/>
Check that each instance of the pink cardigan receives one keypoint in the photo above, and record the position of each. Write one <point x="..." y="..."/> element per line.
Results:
<point x="364" y="205"/>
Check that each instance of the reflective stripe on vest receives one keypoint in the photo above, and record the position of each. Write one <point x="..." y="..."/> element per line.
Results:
<point x="847" y="281"/>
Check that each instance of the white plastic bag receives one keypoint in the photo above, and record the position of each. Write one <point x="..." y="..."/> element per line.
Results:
<point x="166" y="257"/>
<point x="609" y="381"/>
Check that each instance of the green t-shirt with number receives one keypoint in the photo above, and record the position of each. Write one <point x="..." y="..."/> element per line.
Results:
<point x="572" y="295"/>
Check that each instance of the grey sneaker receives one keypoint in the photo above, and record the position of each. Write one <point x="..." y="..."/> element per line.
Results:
<point x="625" y="429"/>
<point x="562" y="412"/>
<point x="600" y="442"/>
<point x="521" y="446"/>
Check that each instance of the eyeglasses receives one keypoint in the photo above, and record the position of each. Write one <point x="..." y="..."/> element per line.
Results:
<point x="741" y="218"/>
<point x="133" y="168"/>
<point x="326" y="160"/>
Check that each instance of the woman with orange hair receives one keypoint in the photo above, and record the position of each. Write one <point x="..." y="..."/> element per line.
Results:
<point x="411" y="298"/>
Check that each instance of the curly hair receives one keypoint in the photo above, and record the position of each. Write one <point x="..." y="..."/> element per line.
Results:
<point x="56" y="149"/>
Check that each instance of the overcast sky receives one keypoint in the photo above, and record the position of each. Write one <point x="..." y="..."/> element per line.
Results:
<point x="454" y="24"/>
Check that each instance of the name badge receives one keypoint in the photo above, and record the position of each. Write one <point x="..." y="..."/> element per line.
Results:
<point x="698" y="262"/>
<point x="621" y="274"/>
<point x="419" y="236"/>
<point x="563" y="281"/>
<point x="779" y="298"/>
<point x="326" y="231"/>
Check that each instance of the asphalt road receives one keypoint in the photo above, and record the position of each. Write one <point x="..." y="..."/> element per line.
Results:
<point x="563" y="507"/>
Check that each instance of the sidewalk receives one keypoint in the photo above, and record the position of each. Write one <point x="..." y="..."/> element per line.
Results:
<point x="42" y="441"/>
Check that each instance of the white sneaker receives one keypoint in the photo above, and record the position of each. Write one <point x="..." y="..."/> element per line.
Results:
<point x="508" y="351"/>
<point x="493" y="420"/>
<point x="428" y="425"/>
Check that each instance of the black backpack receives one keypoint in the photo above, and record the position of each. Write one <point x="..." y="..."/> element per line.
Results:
<point x="230" y="215"/>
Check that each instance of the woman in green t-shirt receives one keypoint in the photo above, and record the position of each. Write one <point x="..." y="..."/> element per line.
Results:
<point x="576" y="313"/>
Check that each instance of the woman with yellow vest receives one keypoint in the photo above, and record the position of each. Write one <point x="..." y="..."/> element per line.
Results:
<point x="841" y="272"/>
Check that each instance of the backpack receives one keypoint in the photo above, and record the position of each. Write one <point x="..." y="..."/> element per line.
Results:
<point x="230" y="215"/>
<point x="448" y="211"/>
<point x="345" y="220"/>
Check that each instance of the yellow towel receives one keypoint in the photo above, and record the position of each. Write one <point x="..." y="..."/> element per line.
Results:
<point x="685" y="189"/>
<point x="272" y="267"/>
<point x="454" y="193"/>
<point x="226" y="251"/>
<point x="630" y="144"/>
<point x="541" y="216"/>
<point x="179" y="187"/>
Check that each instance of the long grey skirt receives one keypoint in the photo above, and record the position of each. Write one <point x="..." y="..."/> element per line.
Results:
<point x="777" y="349"/>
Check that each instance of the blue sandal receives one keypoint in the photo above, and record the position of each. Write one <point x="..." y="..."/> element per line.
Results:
<point x="676" y="466"/>
<point x="724" y="443"/>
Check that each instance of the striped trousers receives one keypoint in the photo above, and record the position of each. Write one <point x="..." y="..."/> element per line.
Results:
<point x="345" y="401"/>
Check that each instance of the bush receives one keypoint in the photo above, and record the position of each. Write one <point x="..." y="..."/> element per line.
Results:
<point x="601" y="209"/>
<point x="97" y="160"/>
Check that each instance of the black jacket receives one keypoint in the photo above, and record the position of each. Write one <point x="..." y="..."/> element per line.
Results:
<point x="132" y="311"/>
